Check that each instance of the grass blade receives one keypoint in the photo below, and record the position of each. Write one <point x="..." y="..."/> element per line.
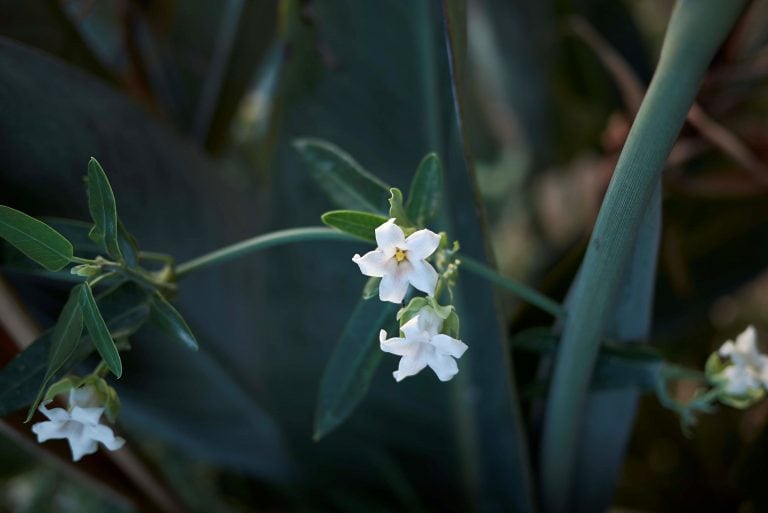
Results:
<point x="694" y="34"/>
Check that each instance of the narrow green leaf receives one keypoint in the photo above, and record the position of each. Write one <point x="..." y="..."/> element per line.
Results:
<point x="101" y="203"/>
<point x="64" y="341"/>
<point x="170" y="321"/>
<point x="426" y="191"/>
<point x="350" y="369"/>
<point x="359" y="224"/>
<point x="345" y="182"/>
<point x="35" y="239"/>
<point x="97" y="329"/>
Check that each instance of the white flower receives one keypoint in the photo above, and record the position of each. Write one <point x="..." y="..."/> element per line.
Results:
<point x="749" y="368"/>
<point x="79" y="425"/>
<point x="399" y="261"/>
<point x="424" y="345"/>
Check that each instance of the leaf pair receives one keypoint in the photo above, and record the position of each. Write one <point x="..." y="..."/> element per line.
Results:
<point x="79" y="312"/>
<point x="361" y="194"/>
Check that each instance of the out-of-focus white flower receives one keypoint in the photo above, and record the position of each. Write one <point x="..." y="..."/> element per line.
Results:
<point x="79" y="424"/>
<point x="424" y="345"/>
<point x="399" y="261"/>
<point x="748" y="370"/>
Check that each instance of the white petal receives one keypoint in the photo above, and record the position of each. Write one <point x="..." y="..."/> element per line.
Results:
<point x="429" y="321"/>
<point x="447" y="345"/>
<point x="422" y="276"/>
<point x="412" y="330"/>
<point x="86" y="415"/>
<point x="727" y="349"/>
<point x="395" y="345"/>
<point x="746" y="342"/>
<point x="389" y="236"/>
<point x="51" y="430"/>
<point x="739" y="381"/>
<point x="104" y="435"/>
<point x="84" y="397"/>
<point x="421" y="244"/>
<point x="80" y="446"/>
<point x="444" y="366"/>
<point x="394" y="285"/>
<point x="56" y="414"/>
<point x="413" y="363"/>
<point x="375" y="263"/>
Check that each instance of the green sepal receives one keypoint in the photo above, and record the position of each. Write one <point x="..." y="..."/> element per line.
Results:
<point x="108" y="397"/>
<point x="714" y="366"/>
<point x="103" y="209"/>
<point x="425" y="193"/>
<point x="62" y="386"/>
<point x="353" y="222"/>
<point x="410" y="310"/>
<point x="452" y="326"/>
<point x="742" y="402"/>
<point x="371" y="288"/>
<point x="35" y="239"/>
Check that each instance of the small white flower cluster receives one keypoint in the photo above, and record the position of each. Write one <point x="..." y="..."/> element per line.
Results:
<point x="80" y="424"/>
<point x="400" y="261"/>
<point x="745" y="377"/>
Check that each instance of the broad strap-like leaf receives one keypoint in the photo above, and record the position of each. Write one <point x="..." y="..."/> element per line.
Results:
<point x="359" y="224"/>
<point x="426" y="191"/>
<point x="345" y="182"/>
<point x="35" y="239"/>
<point x="97" y="329"/>
<point x="64" y="341"/>
<point x="170" y="321"/>
<point x="349" y="371"/>
<point x="101" y="203"/>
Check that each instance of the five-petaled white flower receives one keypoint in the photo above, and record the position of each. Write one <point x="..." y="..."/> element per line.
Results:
<point x="749" y="368"/>
<point x="79" y="425"/>
<point x="424" y="345"/>
<point x="399" y="261"/>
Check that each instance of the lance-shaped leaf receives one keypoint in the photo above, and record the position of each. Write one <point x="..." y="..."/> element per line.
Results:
<point x="170" y="321"/>
<point x="359" y="224"/>
<point x="64" y="341"/>
<point x="97" y="329"/>
<point x="426" y="191"/>
<point x="20" y="380"/>
<point x="349" y="371"/>
<point x="345" y="182"/>
<point x="101" y="203"/>
<point x="35" y="239"/>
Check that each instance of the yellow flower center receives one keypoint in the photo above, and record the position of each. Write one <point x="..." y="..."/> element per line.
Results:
<point x="400" y="255"/>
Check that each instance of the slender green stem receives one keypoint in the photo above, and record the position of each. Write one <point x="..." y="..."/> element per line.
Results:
<point x="523" y="291"/>
<point x="158" y="257"/>
<point x="258" y="243"/>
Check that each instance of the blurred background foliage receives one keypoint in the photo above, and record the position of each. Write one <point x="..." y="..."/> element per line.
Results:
<point x="192" y="106"/>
